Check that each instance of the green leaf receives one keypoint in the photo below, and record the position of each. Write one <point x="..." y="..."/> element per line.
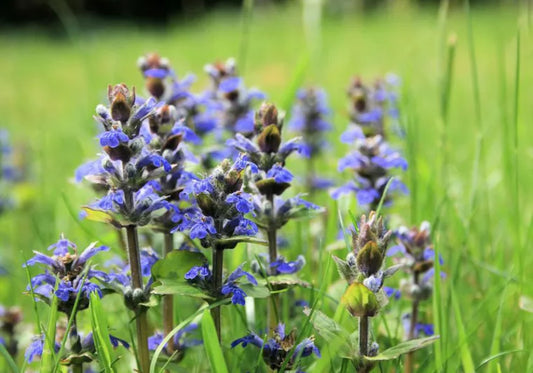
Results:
<point x="100" y="216"/>
<point x="332" y="332"/>
<point x="328" y="328"/>
<point x="403" y="348"/>
<point x="176" y="264"/>
<point x="212" y="347"/>
<point x="257" y="291"/>
<point x="360" y="301"/>
<point x="239" y="239"/>
<point x="48" y="356"/>
<point x="180" y="287"/>
<point x="287" y="280"/>
<point x="101" y="334"/>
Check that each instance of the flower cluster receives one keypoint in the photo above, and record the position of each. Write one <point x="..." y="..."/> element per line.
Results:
<point x="416" y="255"/>
<point x="371" y="164"/>
<point x="67" y="273"/>
<point x="222" y="207"/>
<point x="267" y="179"/>
<point x="363" y="270"/>
<point x="280" y="266"/>
<point x="281" y="349"/>
<point x="309" y="118"/>
<point x="370" y="106"/>
<point x="201" y="277"/>
<point x="373" y="159"/>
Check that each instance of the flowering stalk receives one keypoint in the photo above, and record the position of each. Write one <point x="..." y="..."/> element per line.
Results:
<point x="417" y="259"/>
<point x="269" y="179"/>
<point x="137" y="282"/>
<point x="309" y="118"/>
<point x="168" y="300"/>
<point x="218" y="271"/>
<point x="372" y="159"/>
<point x="218" y="221"/>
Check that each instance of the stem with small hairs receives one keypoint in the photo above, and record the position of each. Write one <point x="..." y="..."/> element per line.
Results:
<point x="218" y="269"/>
<point x="168" y="300"/>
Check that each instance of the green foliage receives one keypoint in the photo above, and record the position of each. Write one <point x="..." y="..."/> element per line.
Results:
<point x="104" y="350"/>
<point x="212" y="347"/>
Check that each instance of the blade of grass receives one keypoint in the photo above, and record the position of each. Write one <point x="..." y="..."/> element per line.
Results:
<point x="101" y="334"/>
<point x="10" y="362"/>
<point x="466" y="356"/>
<point x="48" y="356"/>
<point x="211" y="345"/>
<point x="159" y="349"/>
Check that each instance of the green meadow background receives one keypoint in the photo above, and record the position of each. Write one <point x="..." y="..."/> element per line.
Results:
<point x="467" y="109"/>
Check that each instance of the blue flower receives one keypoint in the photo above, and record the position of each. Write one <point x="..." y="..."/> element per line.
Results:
<point x="68" y="268"/>
<point x="276" y="350"/>
<point x="242" y="201"/>
<point x="427" y="329"/>
<point x="244" y="227"/>
<point x="113" y="138"/>
<point x="180" y="340"/>
<point x="201" y="272"/>
<point x="202" y="228"/>
<point x="35" y="349"/>
<point x="281" y="266"/>
<point x="153" y="160"/>
<point x="231" y="286"/>
<point x="280" y="174"/>
<point x="391" y="292"/>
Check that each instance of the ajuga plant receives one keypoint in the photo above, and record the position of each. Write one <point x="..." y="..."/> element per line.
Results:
<point x="417" y="257"/>
<point x="268" y="179"/>
<point x="365" y="272"/>
<point x="220" y="223"/>
<point x="281" y="351"/>
<point x="370" y="107"/>
<point x="372" y="159"/>
<point x="310" y="119"/>
<point x="125" y="170"/>
<point x="67" y="282"/>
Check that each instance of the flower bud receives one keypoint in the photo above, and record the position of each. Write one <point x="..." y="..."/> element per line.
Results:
<point x="269" y="187"/>
<point x="121" y="100"/>
<point x="360" y="301"/>
<point x="206" y="204"/>
<point x="270" y="139"/>
<point x="369" y="259"/>
<point x="121" y="152"/>
<point x="155" y="86"/>
<point x="232" y="181"/>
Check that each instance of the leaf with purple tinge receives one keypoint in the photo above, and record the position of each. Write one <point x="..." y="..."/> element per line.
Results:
<point x="403" y="348"/>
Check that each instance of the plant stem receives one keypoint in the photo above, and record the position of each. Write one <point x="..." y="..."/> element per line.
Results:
<point x="75" y="344"/>
<point x="137" y="283"/>
<point x="168" y="300"/>
<point x="409" y="360"/>
<point x="273" y="305"/>
<point x="218" y="268"/>
<point x="363" y="335"/>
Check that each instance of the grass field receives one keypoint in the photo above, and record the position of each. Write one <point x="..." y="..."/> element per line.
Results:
<point x="470" y="157"/>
